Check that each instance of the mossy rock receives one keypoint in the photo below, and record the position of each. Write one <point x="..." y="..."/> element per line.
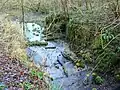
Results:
<point x="117" y="77"/>
<point x="69" y="55"/>
<point x="87" y="56"/>
<point x="51" y="38"/>
<point x="37" y="43"/>
<point x="79" y="64"/>
<point x="94" y="88"/>
<point x="94" y="74"/>
<point x="97" y="79"/>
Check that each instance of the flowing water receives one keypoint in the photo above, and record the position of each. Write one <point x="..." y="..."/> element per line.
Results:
<point x="65" y="75"/>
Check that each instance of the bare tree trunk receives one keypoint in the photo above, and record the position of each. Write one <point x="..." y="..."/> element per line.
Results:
<point x="23" y="20"/>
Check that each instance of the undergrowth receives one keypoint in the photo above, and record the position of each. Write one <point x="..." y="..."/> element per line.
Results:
<point x="90" y="26"/>
<point x="12" y="36"/>
<point x="92" y="30"/>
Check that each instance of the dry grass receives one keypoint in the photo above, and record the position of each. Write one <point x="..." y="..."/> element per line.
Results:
<point x="13" y="39"/>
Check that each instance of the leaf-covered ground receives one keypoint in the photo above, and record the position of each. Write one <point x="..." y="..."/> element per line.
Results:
<point x="16" y="76"/>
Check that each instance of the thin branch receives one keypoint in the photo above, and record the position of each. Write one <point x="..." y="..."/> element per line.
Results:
<point x="50" y="25"/>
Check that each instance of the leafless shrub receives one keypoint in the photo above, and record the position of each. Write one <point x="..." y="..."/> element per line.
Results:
<point x="12" y="36"/>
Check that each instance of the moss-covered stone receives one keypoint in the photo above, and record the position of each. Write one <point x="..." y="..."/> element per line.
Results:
<point x="86" y="55"/>
<point x="97" y="79"/>
<point x="37" y="43"/>
<point x="79" y="64"/>
<point x="51" y="38"/>
<point x="117" y="77"/>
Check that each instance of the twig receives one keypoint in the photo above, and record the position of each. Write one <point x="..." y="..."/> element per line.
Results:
<point x="50" y="24"/>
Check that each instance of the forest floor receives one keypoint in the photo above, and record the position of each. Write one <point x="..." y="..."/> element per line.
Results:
<point x="14" y="74"/>
<point x="109" y="84"/>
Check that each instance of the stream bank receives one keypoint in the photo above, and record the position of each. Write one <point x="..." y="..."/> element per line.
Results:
<point x="15" y="71"/>
<point x="50" y="57"/>
<point x="60" y="44"/>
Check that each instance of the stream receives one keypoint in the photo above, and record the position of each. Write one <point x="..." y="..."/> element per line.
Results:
<point x="65" y="75"/>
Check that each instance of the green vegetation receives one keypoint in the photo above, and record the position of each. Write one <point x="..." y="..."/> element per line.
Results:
<point x="97" y="79"/>
<point x="37" y="74"/>
<point x="13" y="44"/>
<point x="117" y="76"/>
<point x="79" y="63"/>
<point x="91" y="27"/>
<point x="37" y="43"/>
<point x="2" y="87"/>
<point x="94" y="89"/>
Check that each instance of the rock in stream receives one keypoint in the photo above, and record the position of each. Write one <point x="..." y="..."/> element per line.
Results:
<point x="62" y="70"/>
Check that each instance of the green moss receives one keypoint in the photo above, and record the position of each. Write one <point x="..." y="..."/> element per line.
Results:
<point x="94" y="74"/>
<point x="97" y="79"/>
<point x="2" y="87"/>
<point x="80" y="64"/>
<point x="86" y="55"/>
<point x="117" y="77"/>
<point x="94" y="89"/>
<point x="51" y="38"/>
<point x="37" y="43"/>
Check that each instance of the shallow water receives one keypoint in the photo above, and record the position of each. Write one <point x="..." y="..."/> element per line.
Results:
<point x="65" y="75"/>
<point x="32" y="30"/>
